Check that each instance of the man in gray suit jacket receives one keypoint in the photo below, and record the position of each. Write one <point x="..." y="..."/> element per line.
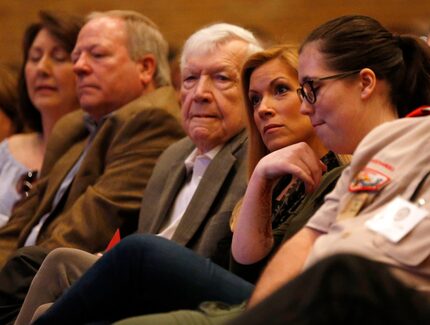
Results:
<point x="204" y="226"/>
<point x="197" y="181"/>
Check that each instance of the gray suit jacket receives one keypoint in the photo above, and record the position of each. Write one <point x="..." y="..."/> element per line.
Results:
<point x="204" y="226"/>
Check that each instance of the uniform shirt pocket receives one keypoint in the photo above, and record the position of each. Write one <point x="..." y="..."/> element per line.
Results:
<point x="412" y="250"/>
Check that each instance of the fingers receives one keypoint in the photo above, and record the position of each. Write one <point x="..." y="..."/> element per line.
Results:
<point x="298" y="160"/>
<point x="310" y="174"/>
<point x="310" y="168"/>
<point x="303" y="173"/>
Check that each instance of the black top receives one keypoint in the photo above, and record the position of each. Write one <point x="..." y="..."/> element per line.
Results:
<point x="291" y="213"/>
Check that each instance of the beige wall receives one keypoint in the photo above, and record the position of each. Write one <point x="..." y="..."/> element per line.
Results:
<point x="284" y="19"/>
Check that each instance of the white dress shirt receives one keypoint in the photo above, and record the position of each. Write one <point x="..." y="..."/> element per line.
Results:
<point x="196" y="165"/>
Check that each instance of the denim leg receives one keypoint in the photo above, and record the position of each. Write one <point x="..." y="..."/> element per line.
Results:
<point x="145" y="274"/>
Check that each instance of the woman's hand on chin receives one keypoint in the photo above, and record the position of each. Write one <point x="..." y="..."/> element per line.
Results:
<point x="298" y="160"/>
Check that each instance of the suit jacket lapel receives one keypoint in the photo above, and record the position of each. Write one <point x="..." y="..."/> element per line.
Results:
<point x="163" y="188"/>
<point x="56" y="176"/>
<point x="60" y="171"/>
<point x="206" y="192"/>
<point x="174" y="182"/>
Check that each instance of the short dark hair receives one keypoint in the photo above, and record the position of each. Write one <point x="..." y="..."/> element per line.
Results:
<point x="355" y="42"/>
<point x="65" y="29"/>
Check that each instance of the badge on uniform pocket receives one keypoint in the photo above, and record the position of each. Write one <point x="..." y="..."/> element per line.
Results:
<point x="396" y="219"/>
<point x="368" y="180"/>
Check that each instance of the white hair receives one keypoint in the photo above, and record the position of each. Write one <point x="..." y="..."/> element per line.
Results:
<point x="209" y="38"/>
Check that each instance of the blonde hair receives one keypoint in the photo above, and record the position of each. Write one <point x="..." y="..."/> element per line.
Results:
<point x="289" y="54"/>
<point x="256" y="147"/>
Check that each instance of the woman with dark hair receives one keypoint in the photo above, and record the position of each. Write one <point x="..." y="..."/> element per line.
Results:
<point x="10" y="121"/>
<point x="367" y="247"/>
<point x="349" y="49"/>
<point x="46" y="90"/>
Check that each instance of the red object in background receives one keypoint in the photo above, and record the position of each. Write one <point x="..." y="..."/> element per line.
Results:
<point x="421" y="111"/>
<point x="115" y="240"/>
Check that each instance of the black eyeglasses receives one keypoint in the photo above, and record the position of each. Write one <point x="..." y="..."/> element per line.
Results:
<point x="307" y="90"/>
<point x="25" y="182"/>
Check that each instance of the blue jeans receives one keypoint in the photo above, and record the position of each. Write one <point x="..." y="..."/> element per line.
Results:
<point x="145" y="274"/>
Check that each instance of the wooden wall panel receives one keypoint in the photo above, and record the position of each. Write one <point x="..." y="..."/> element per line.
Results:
<point x="284" y="19"/>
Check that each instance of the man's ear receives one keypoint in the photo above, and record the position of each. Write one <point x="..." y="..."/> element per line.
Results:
<point x="147" y="67"/>
<point x="368" y="82"/>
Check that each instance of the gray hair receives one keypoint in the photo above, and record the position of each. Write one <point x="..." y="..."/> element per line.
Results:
<point x="144" y="37"/>
<point x="209" y="38"/>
